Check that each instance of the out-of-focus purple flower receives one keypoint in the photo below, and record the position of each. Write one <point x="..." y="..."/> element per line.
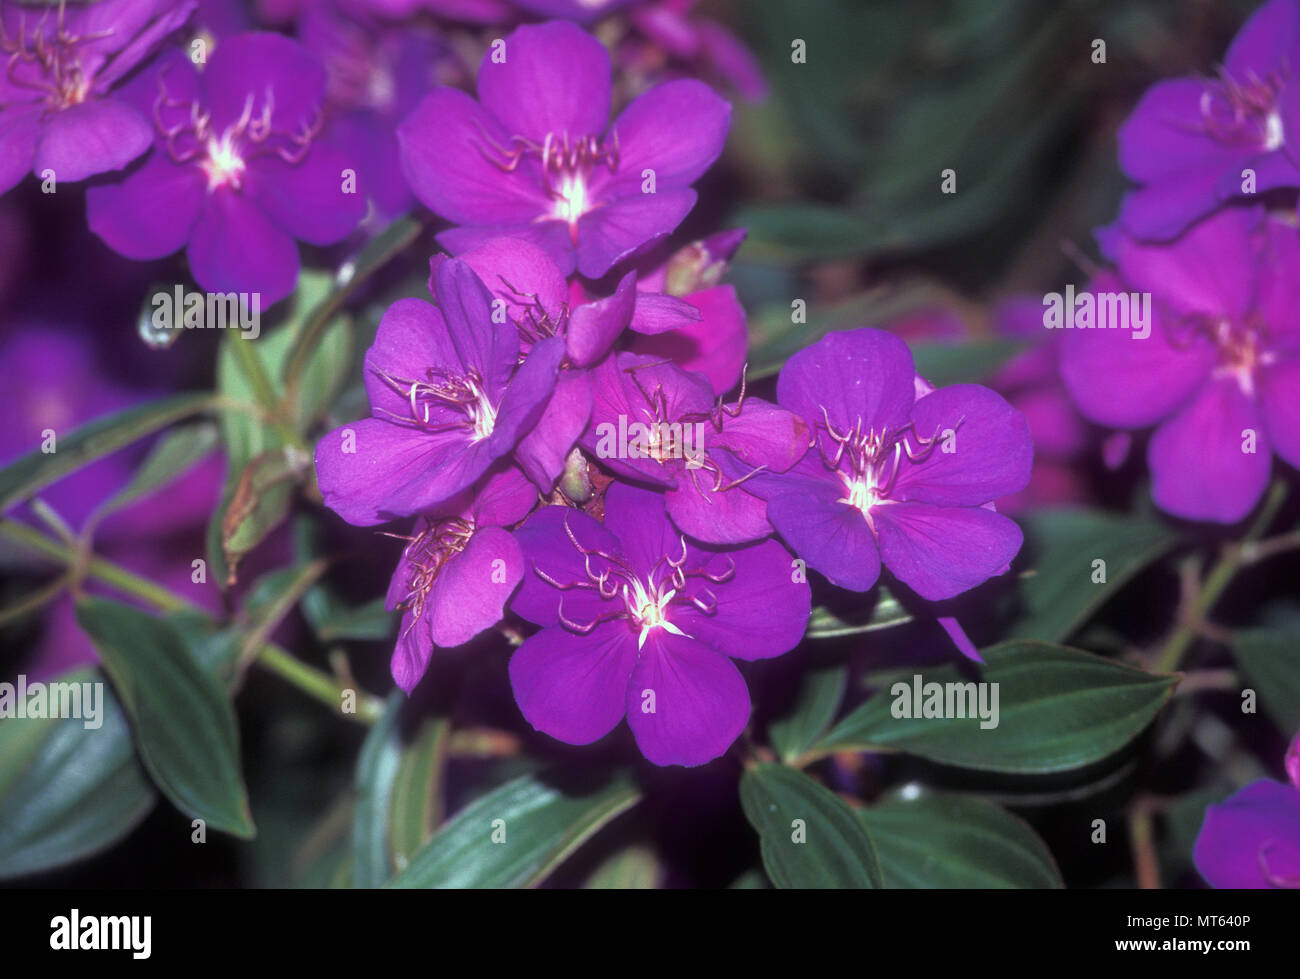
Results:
<point x="1252" y="838"/>
<point x="655" y="423"/>
<point x="1219" y="374"/>
<point x="639" y="623"/>
<point x="59" y="108"/>
<point x="446" y="401"/>
<point x="533" y="158"/>
<point x="457" y="572"/>
<point x="1190" y="140"/>
<point x="237" y="172"/>
<point x="376" y="75"/>
<point x="901" y="473"/>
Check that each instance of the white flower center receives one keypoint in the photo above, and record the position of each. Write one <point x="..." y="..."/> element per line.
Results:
<point x="224" y="166"/>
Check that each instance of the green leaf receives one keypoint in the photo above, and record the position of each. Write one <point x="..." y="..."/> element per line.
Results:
<point x="381" y="755"/>
<point x="634" y="868"/>
<point x="885" y="614"/>
<point x="1058" y="594"/>
<point x="1058" y="709"/>
<point x="94" y="440"/>
<point x="259" y="503"/>
<point x="175" y="453"/>
<point x="71" y="791"/>
<point x="333" y="620"/>
<point x="541" y="824"/>
<point x="184" y="724"/>
<point x="821" y="690"/>
<point x="1270" y="661"/>
<point x="962" y="363"/>
<point x="956" y="841"/>
<point x="809" y="836"/>
<point x="417" y="794"/>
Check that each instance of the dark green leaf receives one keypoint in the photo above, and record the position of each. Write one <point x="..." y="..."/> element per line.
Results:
<point x="1270" y="662"/>
<point x="537" y="823"/>
<point x="1057" y="709"/>
<point x="956" y="841"/>
<point x="634" y="868"/>
<point x="821" y="689"/>
<point x="71" y="791"/>
<point x="183" y="721"/>
<point x="417" y="794"/>
<point x="36" y="470"/>
<point x="175" y="453"/>
<point x="381" y="755"/>
<point x="809" y="836"/>
<point x="333" y="620"/>
<point x="1060" y="592"/>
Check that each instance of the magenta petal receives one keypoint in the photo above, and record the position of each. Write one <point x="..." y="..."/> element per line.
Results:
<point x="725" y="516"/>
<point x="862" y="376"/>
<point x="593" y="327"/>
<point x="554" y="79"/>
<point x="486" y="343"/>
<point x="411" y="338"/>
<point x="1163" y="210"/>
<point x="714" y="345"/>
<point x="612" y="233"/>
<point x="983" y="449"/>
<point x="525" y="399"/>
<point x="940" y="552"/>
<point x="1199" y="470"/>
<point x="542" y="452"/>
<point x="570" y="686"/>
<point x="505" y="498"/>
<point x="658" y="313"/>
<point x="959" y="638"/>
<point x="1119" y="380"/>
<point x="235" y="248"/>
<point x="522" y="275"/>
<point x="20" y="127"/>
<point x="1203" y="272"/>
<point x="675" y="130"/>
<point x="471" y="592"/>
<point x="1252" y="838"/>
<point x="260" y="70"/>
<point x="552" y="237"/>
<point x="732" y="60"/>
<point x="90" y="138"/>
<point x="547" y="548"/>
<point x="1266" y="41"/>
<point x="1165" y="135"/>
<point x="413" y="651"/>
<point x="151" y="212"/>
<point x="443" y="144"/>
<point x="1279" y="402"/>
<point x="832" y="537"/>
<point x="307" y="199"/>
<point x="685" y="703"/>
<point x="763" y="435"/>
<point x="639" y="519"/>
<point x="395" y="470"/>
<point x="761" y="612"/>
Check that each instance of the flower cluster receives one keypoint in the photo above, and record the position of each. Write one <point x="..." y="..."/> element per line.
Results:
<point x="576" y="380"/>
<point x="1218" y="376"/>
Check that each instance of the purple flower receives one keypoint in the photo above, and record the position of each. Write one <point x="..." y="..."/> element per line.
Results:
<point x="447" y="400"/>
<point x="457" y="571"/>
<point x="655" y="423"/>
<point x="1190" y="140"/>
<point x="237" y="172"/>
<point x="1219" y="374"/>
<point x="1252" y="838"/>
<point x="533" y="159"/>
<point x="638" y="622"/>
<point x="57" y="107"/>
<point x="900" y="473"/>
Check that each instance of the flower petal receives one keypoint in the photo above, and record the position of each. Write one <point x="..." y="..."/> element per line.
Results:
<point x="617" y="230"/>
<point x="542" y="452"/>
<point x="522" y="275"/>
<point x="20" y="128"/>
<point x="470" y="593"/>
<point x="90" y="138"/>
<point x="307" y="199"/>
<point x="234" y="247"/>
<point x="988" y="454"/>
<point x="940" y="552"/>
<point x="594" y="326"/>
<point x="549" y="553"/>
<point x="412" y="653"/>
<point x="411" y="338"/>
<point x="714" y="344"/>
<point x="1279" y="402"/>
<point x="554" y="79"/>
<point x="261" y="71"/>
<point x="685" y="703"/>
<point x="573" y="687"/>
<point x="861" y="376"/>
<point x="1252" y="838"/>
<point x="151" y="212"/>
<point x="1199" y="467"/>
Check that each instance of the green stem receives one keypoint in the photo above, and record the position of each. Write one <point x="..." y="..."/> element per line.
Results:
<point x="255" y="372"/>
<point x="313" y="682"/>
<point x="1225" y="569"/>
